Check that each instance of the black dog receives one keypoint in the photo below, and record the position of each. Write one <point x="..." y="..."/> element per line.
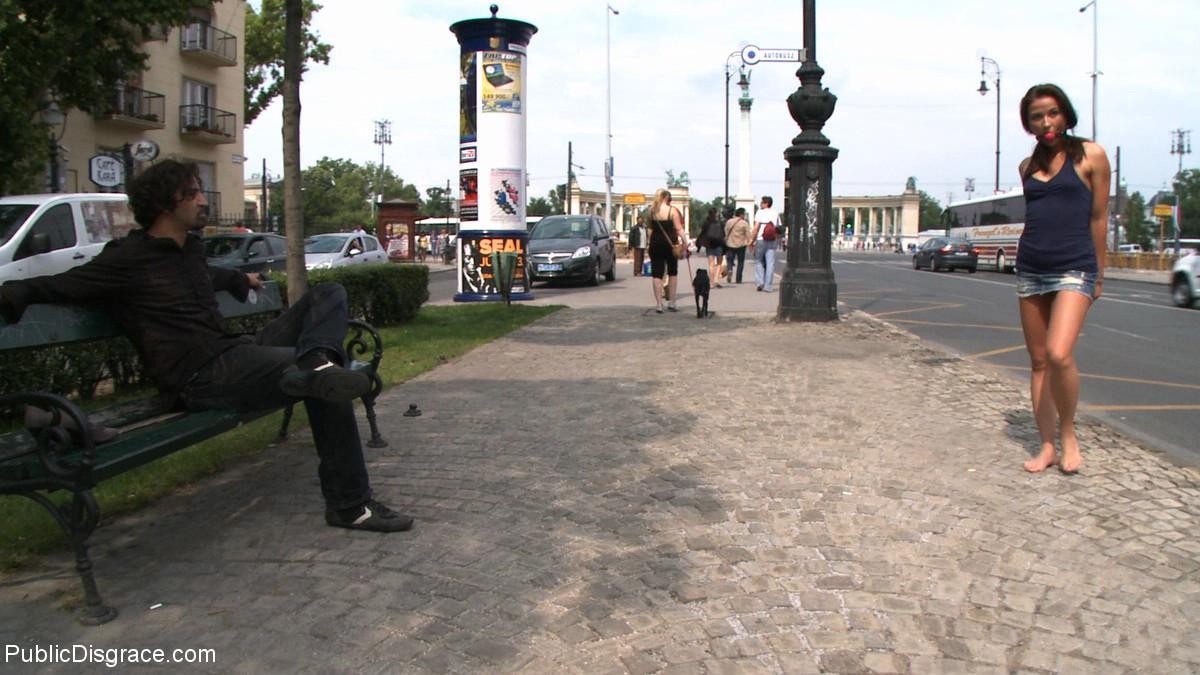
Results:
<point x="700" y="289"/>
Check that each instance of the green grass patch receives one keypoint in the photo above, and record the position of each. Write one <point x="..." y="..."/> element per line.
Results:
<point x="436" y="335"/>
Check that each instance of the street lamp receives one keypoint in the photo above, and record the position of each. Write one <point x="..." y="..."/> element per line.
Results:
<point x="1095" y="58"/>
<point x="383" y="137"/>
<point x="984" y="62"/>
<point x="608" y="162"/>
<point x="54" y="118"/>
<point x="728" y="76"/>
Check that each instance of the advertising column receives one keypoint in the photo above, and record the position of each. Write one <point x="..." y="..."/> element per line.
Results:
<point x="491" y="154"/>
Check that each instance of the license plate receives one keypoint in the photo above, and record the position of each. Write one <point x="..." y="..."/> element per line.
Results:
<point x="962" y="253"/>
<point x="549" y="267"/>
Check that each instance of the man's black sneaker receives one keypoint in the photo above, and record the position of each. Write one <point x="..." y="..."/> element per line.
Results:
<point x="329" y="382"/>
<point x="372" y="516"/>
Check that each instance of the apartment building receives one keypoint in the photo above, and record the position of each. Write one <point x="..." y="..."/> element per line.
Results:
<point x="188" y="101"/>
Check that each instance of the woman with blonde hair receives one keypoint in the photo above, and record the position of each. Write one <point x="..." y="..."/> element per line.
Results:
<point x="666" y="230"/>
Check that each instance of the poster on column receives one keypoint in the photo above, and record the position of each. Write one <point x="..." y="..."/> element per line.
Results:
<point x="468" y="186"/>
<point x="478" y="274"/>
<point x="466" y="100"/>
<point x="507" y="204"/>
<point x="501" y="82"/>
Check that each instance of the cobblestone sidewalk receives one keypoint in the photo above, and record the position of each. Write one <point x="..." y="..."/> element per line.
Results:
<point x="610" y="490"/>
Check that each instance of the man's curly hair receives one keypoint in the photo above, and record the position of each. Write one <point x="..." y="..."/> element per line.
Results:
<point x="157" y="189"/>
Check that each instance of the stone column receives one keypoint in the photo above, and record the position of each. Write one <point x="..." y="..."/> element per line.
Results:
<point x="745" y="196"/>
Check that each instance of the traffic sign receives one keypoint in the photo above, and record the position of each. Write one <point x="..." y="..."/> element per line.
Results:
<point x="752" y="55"/>
<point x="635" y="198"/>
<point x="144" y="150"/>
<point x="1164" y="210"/>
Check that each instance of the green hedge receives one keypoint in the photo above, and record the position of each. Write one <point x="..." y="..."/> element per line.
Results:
<point x="383" y="295"/>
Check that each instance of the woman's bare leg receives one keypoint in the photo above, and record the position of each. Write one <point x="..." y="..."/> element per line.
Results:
<point x="672" y="282"/>
<point x="1066" y="321"/>
<point x="1035" y="323"/>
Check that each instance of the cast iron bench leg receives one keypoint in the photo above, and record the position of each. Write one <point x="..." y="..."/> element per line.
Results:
<point x="283" y="426"/>
<point x="78" y="520"/>
<point x="376" y="440"/>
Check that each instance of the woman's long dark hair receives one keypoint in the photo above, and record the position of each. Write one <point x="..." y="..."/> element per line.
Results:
<point x="1042" y="154"/>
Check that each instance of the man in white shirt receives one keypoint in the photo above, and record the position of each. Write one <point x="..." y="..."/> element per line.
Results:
<point x="765" y="241"/>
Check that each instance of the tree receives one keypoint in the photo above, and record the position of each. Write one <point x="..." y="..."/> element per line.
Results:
<point x="437" y="204"/>
<point x="1187" y="191"/>
<point x="265" y="51"/>
<point x="74" y="53"/>
<point x="930" y="213"/>
<point x="1137" y="229"/>
<point x="556" y="198"/>
<point x="337" y="194"/>
<point x="699" y="210"/>
<point x="293" y="198"/>
<point x="539" y="206"/>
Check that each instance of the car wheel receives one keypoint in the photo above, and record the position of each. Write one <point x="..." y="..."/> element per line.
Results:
<point x="972" y="269"/>
<point x="1001" y="262"/>
<point x="611" y="274"/>
<point x="594" y="280"/>
<point x="915" y="265"/>
<point x="1181" y="293"/>
<point x="933" y="264"/>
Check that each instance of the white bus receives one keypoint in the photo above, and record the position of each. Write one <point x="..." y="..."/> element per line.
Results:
<point x="992" y="224"/>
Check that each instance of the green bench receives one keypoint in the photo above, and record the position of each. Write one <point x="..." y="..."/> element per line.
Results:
<point x="58" y="451"/>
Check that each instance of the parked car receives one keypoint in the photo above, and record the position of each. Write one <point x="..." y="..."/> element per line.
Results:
<point x="1185" y="280"/>
<point x="1129" y="248"/>
<point x="248" y="252"/>
<point x="323" y="251"/>
<point x="571" y="247"/>
<point x="48" y="234"/>
<point x="946" y="253"/>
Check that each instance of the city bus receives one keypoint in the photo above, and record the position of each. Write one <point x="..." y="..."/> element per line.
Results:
<point x="993" y="224"/>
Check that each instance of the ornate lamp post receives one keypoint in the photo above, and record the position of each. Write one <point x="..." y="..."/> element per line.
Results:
<point x="808" y="291"/>
<point x="984" y="62"/>
<point x="55" y="120"/>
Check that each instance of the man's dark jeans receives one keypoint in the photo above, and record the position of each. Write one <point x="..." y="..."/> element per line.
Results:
<point x="247" y="378"/>
<point x="738" y="255"/>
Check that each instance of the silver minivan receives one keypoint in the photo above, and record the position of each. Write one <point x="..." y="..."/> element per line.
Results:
<point x="51" y="233"/>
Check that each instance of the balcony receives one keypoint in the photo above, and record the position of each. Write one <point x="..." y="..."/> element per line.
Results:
<point x="136" y="108"/>
<point x="213" y="46"/>
<point x="206" y="124"/>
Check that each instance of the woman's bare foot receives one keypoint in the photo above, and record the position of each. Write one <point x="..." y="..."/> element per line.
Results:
<point x="1044" y="459"/>
<point x="1072" y="459"/>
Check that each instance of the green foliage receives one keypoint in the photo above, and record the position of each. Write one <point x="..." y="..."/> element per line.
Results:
<point x="1187" y="190"/>
<point x="264" y="52"/>
<point x="556" y="199"/>
<point x="75" y="52"/>
<point x="538" y="206"/>
<point x="1137" y="228"/>
<point x="699" y="212"/>
<point x="438" y="202"/>
<point x="382" y="295"/>
<point x="931" y="213"/>
<point x="337" y="194"/>
<point x="74" y="370"/>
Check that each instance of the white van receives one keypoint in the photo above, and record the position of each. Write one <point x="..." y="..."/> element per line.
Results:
<point x="51" y="233"/>
<point x="1129" y="248"/>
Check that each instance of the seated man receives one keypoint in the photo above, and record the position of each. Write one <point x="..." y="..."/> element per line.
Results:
<point x="160" y="291"/>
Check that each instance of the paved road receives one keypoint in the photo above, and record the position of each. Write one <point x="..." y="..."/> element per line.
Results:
<point x="615" y="491"/>
<point x="1138" y="355"/>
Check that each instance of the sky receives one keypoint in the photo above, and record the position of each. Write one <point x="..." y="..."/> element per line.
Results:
<point x="906" y="76"/>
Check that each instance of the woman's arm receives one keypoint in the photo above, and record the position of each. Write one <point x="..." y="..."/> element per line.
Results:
<point x="1100" y="177"/>
<point x="677" y="218"/>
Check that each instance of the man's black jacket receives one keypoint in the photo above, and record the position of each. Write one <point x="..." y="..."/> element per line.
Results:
<point x="160" y="295"/>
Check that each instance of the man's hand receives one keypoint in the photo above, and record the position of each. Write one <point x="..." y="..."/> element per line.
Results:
<point x="256" y="280"/>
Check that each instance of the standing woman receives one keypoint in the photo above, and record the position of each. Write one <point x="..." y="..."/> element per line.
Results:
<point x="1060" y="263"/>
<point x="666" y="230"/>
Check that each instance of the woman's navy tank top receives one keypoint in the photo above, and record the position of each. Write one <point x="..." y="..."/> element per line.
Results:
<point x="1057" y="235"/>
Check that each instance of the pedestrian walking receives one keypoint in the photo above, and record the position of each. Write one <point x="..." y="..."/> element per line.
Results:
<point x="637" y="244"/>
<point x="668" y="242"/>
<point x="763" y="243"/>
<point x="1060" y="263"/>
<point x="157" y="284"/>
<point x="712" y="238"/>
<point x="737" y="237"/>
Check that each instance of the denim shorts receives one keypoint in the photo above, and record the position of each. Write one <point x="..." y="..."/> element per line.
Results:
<point x="1031" y="283"/>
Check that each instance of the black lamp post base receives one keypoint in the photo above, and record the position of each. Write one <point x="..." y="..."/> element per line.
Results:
<point x="807" y="294"/>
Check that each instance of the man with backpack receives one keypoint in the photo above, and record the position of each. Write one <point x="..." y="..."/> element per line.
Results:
<point x="764" y="242"/>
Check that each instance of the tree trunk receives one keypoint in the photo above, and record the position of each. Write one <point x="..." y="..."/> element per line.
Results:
<point x="293" y="198"/>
